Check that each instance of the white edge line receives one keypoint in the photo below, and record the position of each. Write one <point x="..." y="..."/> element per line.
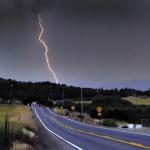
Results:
<point x="100" y="127"/>
<point x="73" y="145"/>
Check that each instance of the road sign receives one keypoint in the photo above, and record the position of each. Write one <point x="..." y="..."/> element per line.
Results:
<point x="99" y="114"/>
<point x="73" y="108"/>
<point x="99" y="109"/>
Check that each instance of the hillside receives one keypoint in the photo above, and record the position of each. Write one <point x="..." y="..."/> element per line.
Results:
<point x="44" y="91"/>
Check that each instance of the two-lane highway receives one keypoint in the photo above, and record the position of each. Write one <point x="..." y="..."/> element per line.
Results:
<point x="86" y="137"/>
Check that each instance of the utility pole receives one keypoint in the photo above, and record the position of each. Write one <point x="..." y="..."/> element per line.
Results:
<point x="82" y="115"/>
<point x="63" y="96"/>
<point x="51" y="90"/>
<point x="11" y="93"/>
<point x="48" y="101"/>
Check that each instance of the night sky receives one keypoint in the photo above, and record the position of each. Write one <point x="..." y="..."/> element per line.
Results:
<point x="93" y="42"/>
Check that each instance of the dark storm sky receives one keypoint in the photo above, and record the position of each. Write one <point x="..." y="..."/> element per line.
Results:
<point x="94" y="42"/>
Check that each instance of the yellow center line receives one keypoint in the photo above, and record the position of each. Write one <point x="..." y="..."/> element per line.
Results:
<point x="103" y="136"/>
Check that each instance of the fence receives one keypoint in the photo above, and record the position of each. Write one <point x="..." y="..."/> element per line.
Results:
<point x="6" y="134"/>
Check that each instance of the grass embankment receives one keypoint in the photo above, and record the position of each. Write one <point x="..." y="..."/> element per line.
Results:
<point x="138" y="100"/>
<point x="18" y="126"/>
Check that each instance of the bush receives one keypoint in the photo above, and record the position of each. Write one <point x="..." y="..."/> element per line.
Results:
<point x="111" y="101"/>
<point x="92" y="112"/>
<point x="110" y="123"/>
<point x="124" y="126"/>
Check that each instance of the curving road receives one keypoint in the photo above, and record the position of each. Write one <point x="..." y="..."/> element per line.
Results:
<point x="85" y="137"/>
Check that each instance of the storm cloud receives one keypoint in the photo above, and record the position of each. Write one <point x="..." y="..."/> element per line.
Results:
<point x="103" y="7"/>
<point x="90" y="41"/>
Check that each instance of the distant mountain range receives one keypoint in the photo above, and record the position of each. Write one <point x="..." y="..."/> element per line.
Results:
<point x="133" y="84"/>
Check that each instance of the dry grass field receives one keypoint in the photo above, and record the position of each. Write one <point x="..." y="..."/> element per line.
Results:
<point x="19" y="126"/>
<point x="138" y="100"/>
<point x="17" y="114"/>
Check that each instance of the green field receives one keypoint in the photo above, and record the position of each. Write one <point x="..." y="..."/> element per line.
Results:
<point x="138" y="100"/>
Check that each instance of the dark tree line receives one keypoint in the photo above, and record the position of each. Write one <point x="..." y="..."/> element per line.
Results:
<point x="42" y="91"/>
<point x="124" y="92"/>
<point x="116" y="108"/>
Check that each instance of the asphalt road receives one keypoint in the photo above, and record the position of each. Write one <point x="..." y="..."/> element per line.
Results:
<point x="85" y="137"/>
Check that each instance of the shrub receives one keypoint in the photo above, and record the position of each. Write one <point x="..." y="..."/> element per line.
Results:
<point x="124" y="126"/>
<point x="110" y="123"/>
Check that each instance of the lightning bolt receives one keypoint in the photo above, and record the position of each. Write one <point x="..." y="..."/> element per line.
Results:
<point x="46" y="50"/>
